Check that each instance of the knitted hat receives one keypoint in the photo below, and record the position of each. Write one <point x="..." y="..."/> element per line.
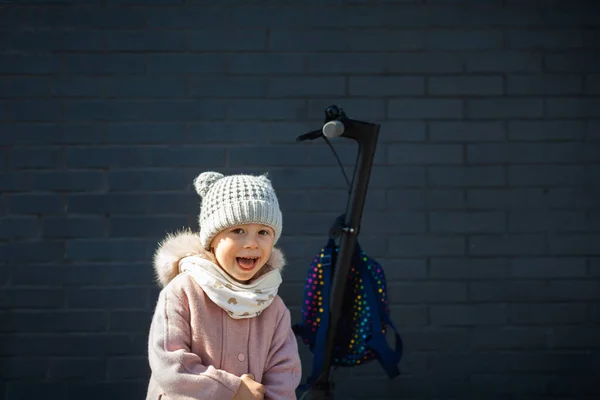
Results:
<point x="235" y="200"/>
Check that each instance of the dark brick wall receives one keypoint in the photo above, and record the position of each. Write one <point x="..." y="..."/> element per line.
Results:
<point x="483" y="203"/>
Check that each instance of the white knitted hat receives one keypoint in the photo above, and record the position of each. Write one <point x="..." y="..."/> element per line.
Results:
<point x="234" y="200"/>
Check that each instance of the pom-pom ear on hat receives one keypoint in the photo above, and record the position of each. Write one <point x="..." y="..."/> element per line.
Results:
<point x="205" y="180"/>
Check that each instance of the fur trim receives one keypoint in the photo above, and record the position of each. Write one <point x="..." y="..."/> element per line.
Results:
<point x="187" y="243"/>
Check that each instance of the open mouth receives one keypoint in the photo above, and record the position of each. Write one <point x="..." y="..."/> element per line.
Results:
<point x="247" y="263"/>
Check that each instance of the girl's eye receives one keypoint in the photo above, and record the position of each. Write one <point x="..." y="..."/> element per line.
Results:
<point x="264" y="232"/>
<point x="238" y="230"/>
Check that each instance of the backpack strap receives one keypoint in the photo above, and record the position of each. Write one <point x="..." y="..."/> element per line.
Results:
<point x="387" y="357"/>
<point x="319" y="349"/>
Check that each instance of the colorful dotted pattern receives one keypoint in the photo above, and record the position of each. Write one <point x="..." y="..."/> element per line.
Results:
<point x="352" y="349"/>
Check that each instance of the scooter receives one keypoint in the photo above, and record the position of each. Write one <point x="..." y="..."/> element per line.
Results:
<point x="338" y="125"/>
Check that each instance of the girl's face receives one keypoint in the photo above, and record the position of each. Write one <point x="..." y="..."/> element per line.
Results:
<point x="243" y="250"/>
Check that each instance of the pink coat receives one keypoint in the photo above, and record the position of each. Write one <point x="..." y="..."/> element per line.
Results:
<point x="196" y="351"/>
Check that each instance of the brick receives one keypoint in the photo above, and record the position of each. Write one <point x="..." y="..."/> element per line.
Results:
<point x="266" y="156"/>
<point x="23" y="368"/>
<point x="30" y="86"/>
<point x="86" y="17"/>
<point x="386" y="85"/>
<point x="574" y="245"/>
<point x="260" y="109"/>
<point x="111" y="298"/>
<point x="404" y="270"/>
<point x="394" y="222"/>
<point x="46" y="251"/>
<point x="555" y="175"/>
<point x="322" y="155"/>
<point x="546" y="153"/>
<point x="574" y="338"/>
<point x="466" y="131"/>
<point x="547" y="314"/>
<point x="157" y="110"/>
<point x="504" y="108"/>
<point x="392" y="40"/>
<point x="572" y="108"/>
<point x="548" y="268"/>
<point x="509" y="338"/>
<point x="14" y="182"/>
<point x="544" y="39"/>
<point x="128" y="368"/>
<point x="467" y="222"/>
<point x="74" y="227"/>
<point x="338" y="63"/>
<point x="174" y="63"/>
<point x="104" y="64"/>
<point x="189" y="17"/>
<point x="543" y="221"/>
<point x="146" y="87"/>
<point x="146" y="133"/>
<point x="547" y="130"/>
<point x="458" y="268"/>
<point x="437" y="338"/>
<point x="445" y="39"/>
<point x="592" y="84"/>
<point x="228" y="86"/>
<point x="429" y="292"/>
<point x="47" y="321"/>
<point x="414" y="246"/>
<point x="466" y="176"/>
<point x="468" y="315"/>
<point x="48" y="134"/>
<point x="19" y="227"/>
<point x="506" y="245"/>
<point x="506" y="198"/>
<point x="546" y="84"/>
<point x="128" y="180"/>
<point x="360" y="109"/>
<point x="18" y="390"/>
<point x="130" y="321"/>
<point x="111" y="203"/>
<point x="52" y="41"/>
<point x="465" y="85"/>
<point x="425" y="108"/>
<point x="71" y="181"/>
<point x="431" y="62"/>
<point x="403" y="177"/>
<point x="29" y="64"/>
<point x="402" y="131"/>
<point x="110" y="249"/>
<point x="147" y="226"/>
<point x="30" y="110"/>
<point x="98" y="391"/>
<point x="75" y="368"/>
<point x="571" y="62"/>
<point x="32" y="298"/>
<point x="314" y="40"/>
<point x="504" y="384"/>
<point x="509" y="291"/>
<point x="78" y="86"/>
<point x="35" y="158"/>
<point x="563" y="15"/>
<point x="28" y="203"/>
<point x="307" y="86"/>
<point x="424" y="154"/>
<point x="228" y="40"/>
<point x="168" y="203"/>
<point x="503" y="62"/>
<point x="265" y="63"/>
<point x="272" y="16"/>
<point x="146" y="41"/>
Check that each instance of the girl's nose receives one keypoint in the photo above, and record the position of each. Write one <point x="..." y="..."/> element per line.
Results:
<point x="251" y="242"/>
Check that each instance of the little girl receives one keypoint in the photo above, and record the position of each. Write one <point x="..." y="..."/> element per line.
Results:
<point x="219" y="330"/>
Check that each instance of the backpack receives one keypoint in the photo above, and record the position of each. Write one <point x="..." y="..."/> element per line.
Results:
<point x="364" y="319"/>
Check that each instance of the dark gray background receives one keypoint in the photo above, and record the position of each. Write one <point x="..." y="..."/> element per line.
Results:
<point x="483" y="203"/>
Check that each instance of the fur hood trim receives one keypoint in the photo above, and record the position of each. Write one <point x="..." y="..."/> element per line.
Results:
<point x="186" y="243"/>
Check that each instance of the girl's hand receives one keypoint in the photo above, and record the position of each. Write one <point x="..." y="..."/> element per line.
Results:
<point x="250" y="389"/>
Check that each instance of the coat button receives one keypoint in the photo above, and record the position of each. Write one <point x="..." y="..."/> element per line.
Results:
<point x="241" y="357"/>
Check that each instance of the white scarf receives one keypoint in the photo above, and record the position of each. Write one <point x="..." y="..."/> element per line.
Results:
<point x="238" y="299"/>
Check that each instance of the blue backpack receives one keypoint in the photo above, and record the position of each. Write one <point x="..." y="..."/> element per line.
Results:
<point x="364" y="320"/>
